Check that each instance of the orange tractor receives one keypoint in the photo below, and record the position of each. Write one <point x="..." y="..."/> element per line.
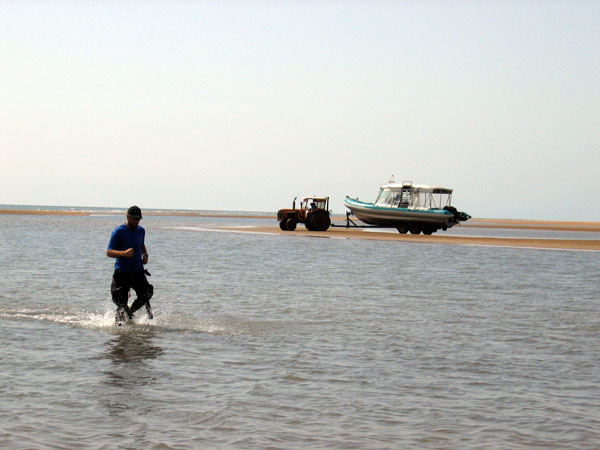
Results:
<point x="313" y="213"/>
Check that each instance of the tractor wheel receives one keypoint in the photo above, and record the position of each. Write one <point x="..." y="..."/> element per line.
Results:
<point x="282" y="225"/>
<point x="403" y="230"/>
<point x="290" y="224"/>
<point x="320" y="221"/>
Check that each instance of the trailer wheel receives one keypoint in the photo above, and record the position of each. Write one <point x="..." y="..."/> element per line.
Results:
<point x="428" y="230"/>
<point x="414" y="229"/>
<point x="320" y="221"/>
<point x="402" y="230"/>
<point x="290" y="224"/>
<point x="282" y="225"/>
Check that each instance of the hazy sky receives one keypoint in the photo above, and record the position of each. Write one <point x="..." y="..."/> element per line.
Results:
<point x="243" y="105"/>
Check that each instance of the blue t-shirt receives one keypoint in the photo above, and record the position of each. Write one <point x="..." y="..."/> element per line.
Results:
<point x="123" y="238"/>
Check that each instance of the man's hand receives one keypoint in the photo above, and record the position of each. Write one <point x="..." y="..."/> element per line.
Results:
<point x="144" y="258"/>
<point x="120" y="253"/>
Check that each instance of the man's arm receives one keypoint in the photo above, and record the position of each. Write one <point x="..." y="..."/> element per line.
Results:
<point x="120" y="253"/>
<point x="144" y="254"/>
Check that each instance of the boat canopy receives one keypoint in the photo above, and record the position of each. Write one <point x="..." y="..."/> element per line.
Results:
<point x="413" y="196"/>
<point x="423" y="187"/>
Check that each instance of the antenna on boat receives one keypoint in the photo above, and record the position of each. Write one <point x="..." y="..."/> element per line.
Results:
<point x="392" y="181"/>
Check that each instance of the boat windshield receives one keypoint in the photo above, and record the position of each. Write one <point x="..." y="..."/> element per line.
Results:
<point x="387" y="198"/>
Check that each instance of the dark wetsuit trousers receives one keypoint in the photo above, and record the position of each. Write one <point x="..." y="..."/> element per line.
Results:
<point x="123" y="282"/>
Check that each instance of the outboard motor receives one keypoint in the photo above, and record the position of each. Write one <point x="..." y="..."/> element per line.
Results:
<point x="458" y="216"/>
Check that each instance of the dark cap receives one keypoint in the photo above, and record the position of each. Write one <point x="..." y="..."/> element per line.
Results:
<point x="134" y="212"/>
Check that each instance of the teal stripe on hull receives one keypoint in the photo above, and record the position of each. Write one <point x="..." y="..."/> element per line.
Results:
<point x="351" y="202"/>
<point x="382" y="216"/>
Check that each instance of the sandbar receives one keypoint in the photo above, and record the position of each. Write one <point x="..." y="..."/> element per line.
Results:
<point x="349" y="233"/>
<point x="544" y="225"/>
<point x="473" y="223"/>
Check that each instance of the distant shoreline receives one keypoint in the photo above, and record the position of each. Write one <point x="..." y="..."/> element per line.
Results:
<point x="34" y="212"/>
<point x="516" y="224"/>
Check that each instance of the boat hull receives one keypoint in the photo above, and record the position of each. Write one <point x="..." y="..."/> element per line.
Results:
<point x="400" y="217"/>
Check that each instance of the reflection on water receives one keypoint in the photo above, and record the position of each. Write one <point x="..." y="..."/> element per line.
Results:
<point x="133" y="346"/>
<point x="130" y="353"/>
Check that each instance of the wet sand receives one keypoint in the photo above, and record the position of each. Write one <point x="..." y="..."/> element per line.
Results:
<point x="348" y="233"/>
<point x="545" y="225"/>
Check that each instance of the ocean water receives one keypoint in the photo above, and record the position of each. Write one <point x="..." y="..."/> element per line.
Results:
<point x="269" y="341"/>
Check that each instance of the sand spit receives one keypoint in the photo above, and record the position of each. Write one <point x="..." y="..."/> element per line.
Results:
<point x="544" y="225"/>
<point x="348" y="233"/>
<point x="473" y="223"/>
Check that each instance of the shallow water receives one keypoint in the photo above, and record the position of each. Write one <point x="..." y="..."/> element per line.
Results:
<point x="269" y="341"/>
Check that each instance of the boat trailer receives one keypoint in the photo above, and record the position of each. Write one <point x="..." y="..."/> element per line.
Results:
<point x="352" y="224"/>
<point x="401" y="229"/>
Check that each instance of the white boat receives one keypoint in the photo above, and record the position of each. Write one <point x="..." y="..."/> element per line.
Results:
<point x="409" y="207"/>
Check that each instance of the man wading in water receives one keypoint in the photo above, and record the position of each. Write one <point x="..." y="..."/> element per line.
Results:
<point x="127" y="246"/>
